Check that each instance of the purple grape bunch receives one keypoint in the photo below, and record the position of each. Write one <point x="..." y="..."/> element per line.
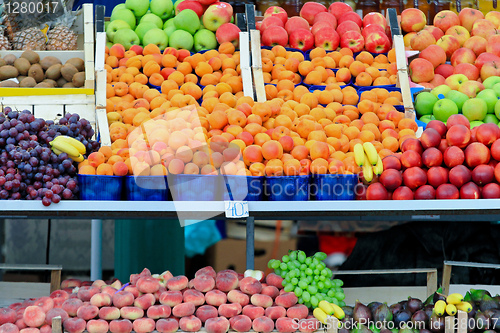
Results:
<point x="29" y="169"/>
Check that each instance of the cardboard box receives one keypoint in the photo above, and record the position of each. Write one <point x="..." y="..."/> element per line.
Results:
<point x="231" y="253"/>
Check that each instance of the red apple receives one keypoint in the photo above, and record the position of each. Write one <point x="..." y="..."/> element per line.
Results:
<point x="228" y="32"/>
<point x="326" y="17"/>
<point x="471" y="88"/>
<point x="310" y="9"/>
<point x="457" y="119"/>
<point x="447" y="191"/>
<point x="458" y="135"/>
<point x="372" y="28"/>
<point x="425" y="192"/>
<point x="377" y="42"/>
<point x="412" y="144"/>
<point x="411" y="158"/>
<point x="468" y="70"/>
<point x="484" y="58"/>
<point x="338" y="9"/>
<point x="391" y="162"/>
<point x="301" y="39"/>
<point x="449" y="44"/>
<point x="374" y="18"/>
<point x="412" y="20"/>
<point x="437" y="176"/>
<point x="430" y="138"/>
<point x="483" y="174"/>
<point x="470" y="191"/>
<point x="274" y="35"/>
<point x="352" y="40"/>
<point x="445" y="70"/>
<point x="421" y="70"/>
<point x="463" y="55"/>
<point x="434" y="54"/>
<point x="294" y="23"/>
<point x="436" y="32"/>
<point x="327" y="38"/>
<point x="453" y="156"/>
<point x="414" y="177"/>
<point x="277" y="12"/>
<point x="477" y="44"/>
<point x="495" y="150"/>
<point x="483" y="28"/>
<point x="460" y="33"/>
<point x="497" y="172"/>
<point x="351" y="16"/>
<point x="391" y="179"/>
<point x="460" y="175"/>
<point x="446" y="19"/>
<point x="468" y="16"/>
<point x="402" y="193"/>
<point x="476" y="153"/>
<point x="490" y="68"/>
<point x="491" y="191"/>
<point x="443" y="145"/>
<point x="376" y="191"/>
<point x="437" y="125"/>
<point x="194" y="5"/>
<point x="487" y="133"/>
<point x="432" y="157"/>
<point x="422" y="40"/>
<point x="347" y="26"/>
<point x="270" y="21"/>
<point x="437" y="80"/>
<point x="320" y="25"/>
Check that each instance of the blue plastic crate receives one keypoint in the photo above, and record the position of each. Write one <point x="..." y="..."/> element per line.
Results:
<point x="244" y="188"/>
<point x="333" y="187"/>
<point x="195" y="187"/>
<point x="93" y="187"/>
<point x="146" y="188"/>
<point x="287" y="188"/>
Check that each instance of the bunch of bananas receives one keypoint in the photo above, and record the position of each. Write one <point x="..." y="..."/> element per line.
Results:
<point x="454" y="302"/>
<point x="366" y="156"/>
<point x="71" y="146"/>
<point x="326" y="309"/>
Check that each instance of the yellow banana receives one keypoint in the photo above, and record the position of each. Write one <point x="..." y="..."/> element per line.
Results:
<point x="367" y="172"/>
<point x="379" y="167"/>
<point x="440" y="307"/>
<point x="339" y="313"/>
<point x="326" y="307"/>
<point x="65" y="147"/>
<point x="57" y="151"/>
<point x="371" y="152"/>
<point x="320" y="315"/>
<point x="359" y="154"/>
<point x="72" y="141"/>
<point x="78" y="158"/>
<point x="455" y="298"/>
<point x="464" y="306"/>
<point x="451" y="309"/>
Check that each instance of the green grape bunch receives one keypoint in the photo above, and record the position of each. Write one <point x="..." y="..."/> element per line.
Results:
<point x="308" y="278"/>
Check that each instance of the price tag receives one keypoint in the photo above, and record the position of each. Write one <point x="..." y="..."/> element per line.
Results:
<point x="236" y="209"/>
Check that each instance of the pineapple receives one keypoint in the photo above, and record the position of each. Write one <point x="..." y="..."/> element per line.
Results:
<point x="29" y="39"/>
<point x="11" y="25"/>
<point x="4" y="41"/>
<point x="61" y="37"/>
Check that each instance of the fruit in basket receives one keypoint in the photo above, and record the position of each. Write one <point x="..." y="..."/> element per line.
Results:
<point x="216" y="15"/>
<point x="156" y="37"/>
<point x="161" y="8"/>
<point x="310" y="9"/>
<point x="301" y="39"/>
<point x="187" y="20"/>
<point x="29" y="39"/>
<point x="127" y="38"/>
<point x="206" y="40"/>
<point x="124" y="14"/>
<point x="377" y="42"/>
<point x="422" y="40"/>
<point x="138" y="7"/>
<point x="228" y="32"/>
<point x="276" y="12"/>
<point x="60" y="36"/>
<point x="412" y="20"/>
<point x="421" y="70"/>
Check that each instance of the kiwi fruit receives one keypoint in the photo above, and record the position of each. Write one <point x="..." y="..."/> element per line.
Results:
<point x="61" y="82"/>
<point x="78" y="79"/>
<point x="51" y="82"/>
<point x="8" y="72"/>
<point x="78" y="63"/>
<point x="48" y="61"/>
<point x="43" y="85"/>
<point x="9" y="84"/>
<point x="2" y="62"/>
<point x="68" y="85"/>
<point x="9" y="59"/>
<point x="22" y="65"/>
<point x="28" y="82"/>
<point x="67" y="71"/>
<point x="21" y="77"/>
<point x="36" y="72"/>
<point x="31" y="56"/>
<point x="53" y="72"/>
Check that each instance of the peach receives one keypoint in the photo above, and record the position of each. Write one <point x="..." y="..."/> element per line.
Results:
<point x="109" y="313"/>
<point x="271" y="291"/>
<point x="7" y="316"/>
<point x="46" y="303"/>
<point x="145" y="301"/>
<point x="190" y="323"/>
<point x="274" y="279"/>
<point x="34" y="316"/>
<point x="71" y="283"/>
<point x="158" y="311"/>
<point x="122" y="298"/>
<point x="131" y="312"/>
<point x="194" y="296"/>
<point x="30" y="330"/>
<point x="85" y="293"/>
<point x="59" y="293"/>
<point x="120" y="326"/>
<point x="240" y="323"/>
<point x="97" y="326"/>
<point x="52" y="313"/>
<point x="208" y="270"/>
<point x="87" y="312"/>
<point x="250" y="286"/>
<point x="171" y="298"/>
<point x="286" y="300"/>
<point x="236" y="296"/>
<point x="143" y="325"/>
<point x="227" y="281"/>
<point x="264" y="301"/>
<point x="8" y="328"/>
<point x="298" y="311"/>
<point x="229" y="310"/>
<point x="275" y="312"/>
<point x="148" y="285"/>
<point x="205" y="312"/>
<point x="286" y="325"/>
<point x="75" y="325"/>
<point x="110" y="291"/>
<point x="100" y="300"/>
<point x="167" y="325"/>
<point x="217" y="325"/>
<point x="177" y="283"/>
<point x="215" y="297"/>
<point x="20" y="324"/>
<point x="203" y="283"/>
<point x="263" y="325"/>
<point x="183" y="310"/>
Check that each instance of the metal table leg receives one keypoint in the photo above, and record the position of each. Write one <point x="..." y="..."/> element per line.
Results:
<point x="96" y="250"/>
<point x="250" y="242"/>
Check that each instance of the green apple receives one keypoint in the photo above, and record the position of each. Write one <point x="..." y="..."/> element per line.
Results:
<point x="204" y="40"/>
<point x="144" y="27"/>
<point x="458" y="97"/>
<point x="138" y="7"/>
<point x="187" y="20"/>
<point x="491" y="81"/>
<point x="442" y="89"/>
<point x="475" y="109"/>
<point x="114" y="26"/>
<point x="181" y="39"/>
<point x="124" y="14"/>
<point x="475" y="123"/>
<point x="150" y="17"/>
<point x="497" y="109"/>
<point x="109" y="44"/>
<point x="216" y="15"/>
<point x="168" y="23"/>
<point x="169" y="30"/>
<point x="427" y="118"/>
<point x="490" y="118"/>
<point x="162" y="8"/>
<point x="424" y="103"/>
<point x="126" y="37"/>
<point x="106" y="25"/>
<point x="444" y="108"/>
<point x="201" y="23"/>
<point x="156" y="36"/>
<point x="496" y="88"/>
<point x="119" y="6"/>
<point x="490" y="97"/>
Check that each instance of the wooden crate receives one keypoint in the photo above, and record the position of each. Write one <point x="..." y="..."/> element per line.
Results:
<point x="53" y="103"/>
